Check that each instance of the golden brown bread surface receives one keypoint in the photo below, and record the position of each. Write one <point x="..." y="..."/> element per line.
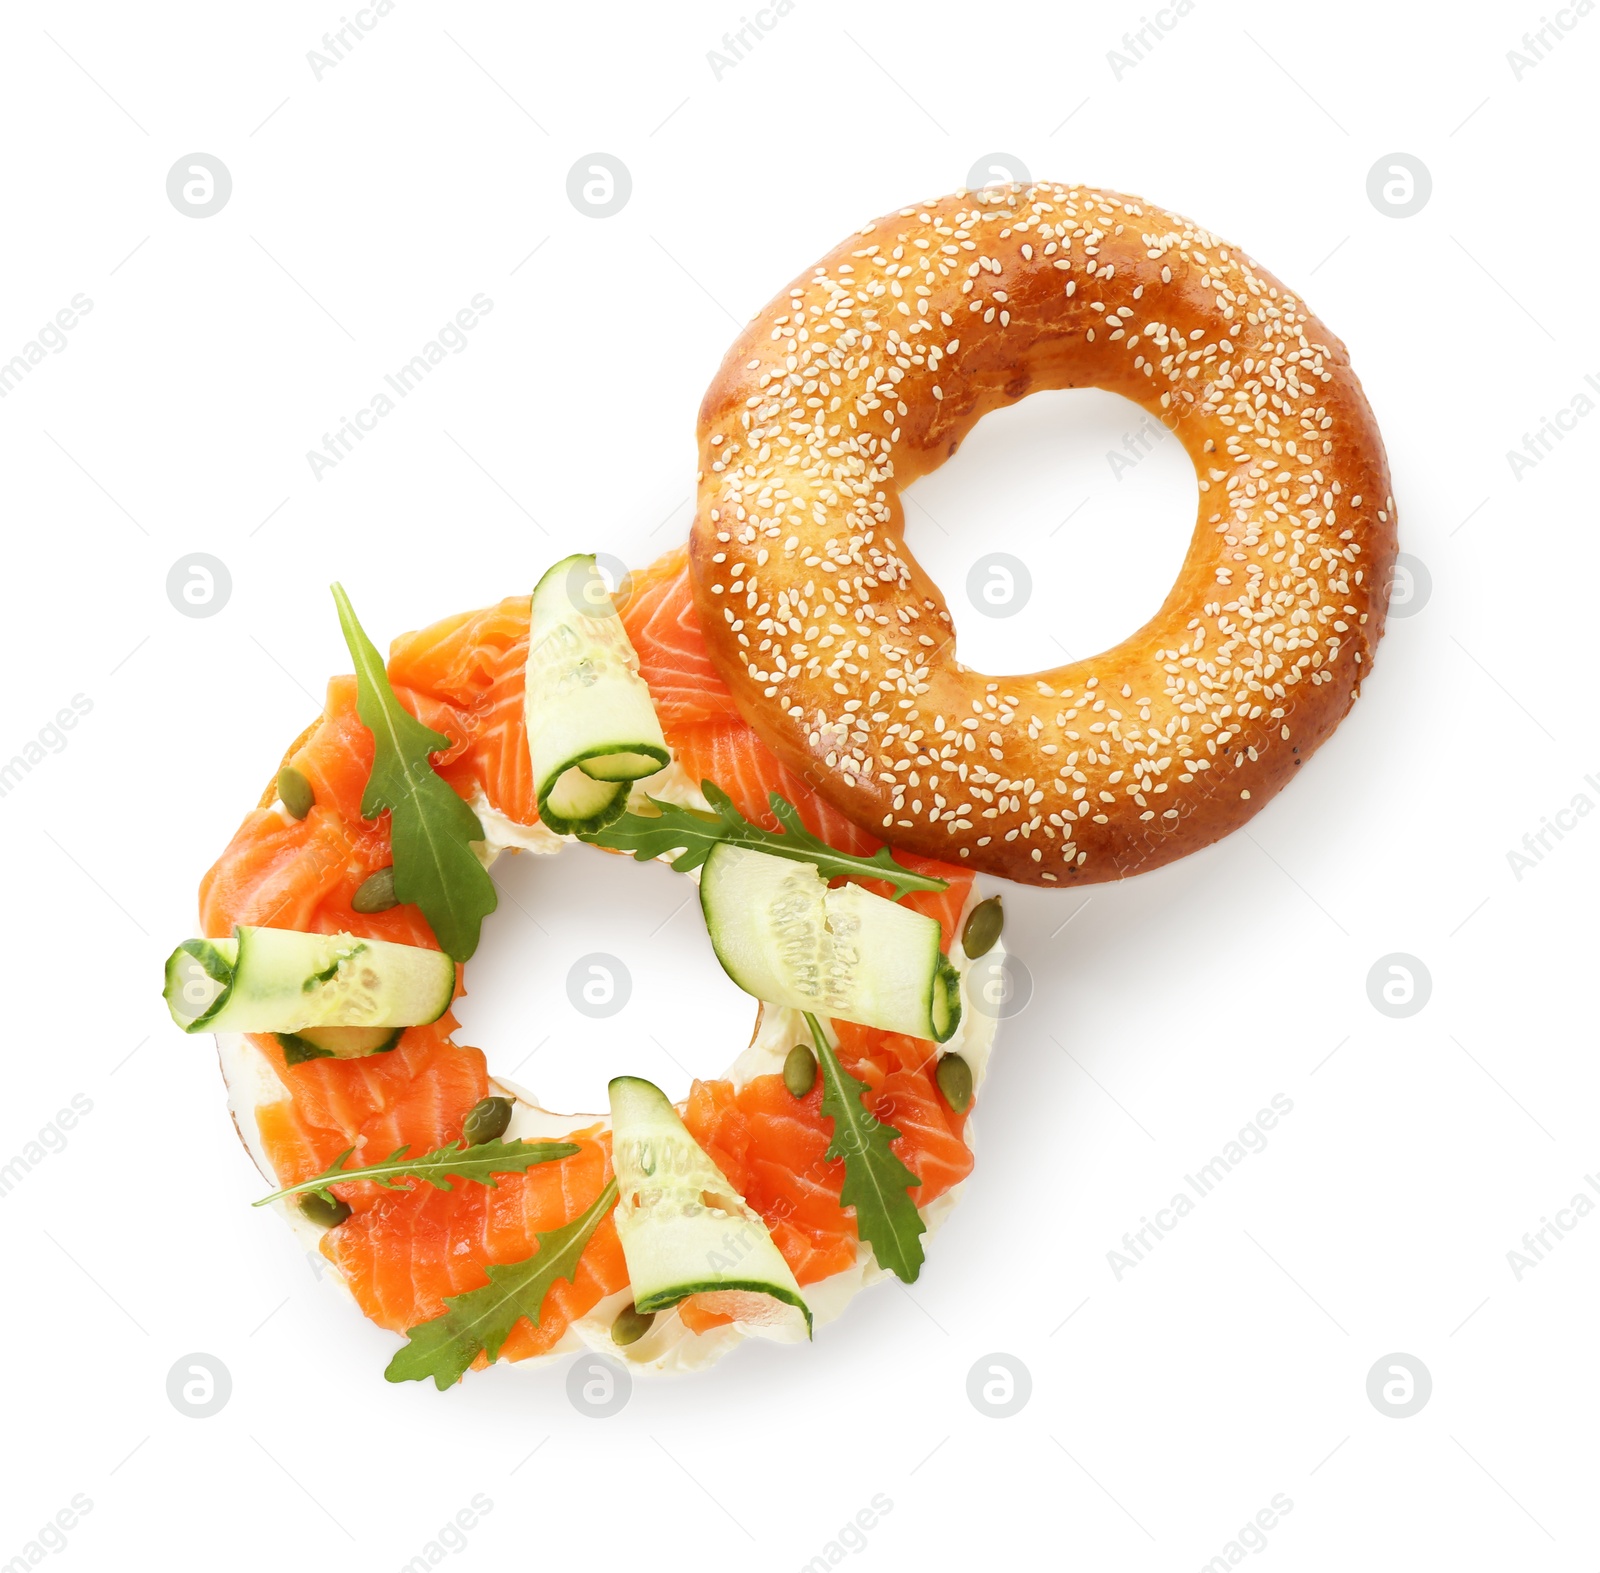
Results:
<point x="869" y="370"/>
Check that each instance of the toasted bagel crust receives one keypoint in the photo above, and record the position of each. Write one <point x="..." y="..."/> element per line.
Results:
<point x="869" y="370"/>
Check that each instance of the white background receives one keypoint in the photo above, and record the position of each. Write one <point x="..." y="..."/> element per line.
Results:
<point x="1231" y="1364"/>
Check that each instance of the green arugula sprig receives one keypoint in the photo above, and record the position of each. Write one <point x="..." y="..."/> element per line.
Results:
<point x="431" y="830"/>
<point x="876" y="1183"/>
<point x="453" y="1161"/>
<point x="481" y="1320"/>
<point x="692" y="835"/>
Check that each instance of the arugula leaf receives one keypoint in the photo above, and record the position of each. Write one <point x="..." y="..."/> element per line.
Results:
<point x="876" y="1182"/>
<point x="693" y="834"/>
<point x="452" y="1161"/>
<point x="481" y="1319"/>
<point x="430" y="828"/>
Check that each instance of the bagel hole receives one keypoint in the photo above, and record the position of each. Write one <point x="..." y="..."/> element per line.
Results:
<point x="585" y="909"/>
<point x="1089" y="493"/>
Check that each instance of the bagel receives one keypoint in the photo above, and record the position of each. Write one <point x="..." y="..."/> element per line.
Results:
<point x="402" y="1254"/>
<point x="868" y="371"/>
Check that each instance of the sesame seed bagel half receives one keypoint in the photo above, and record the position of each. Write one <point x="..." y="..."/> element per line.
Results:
<point x="869" y="370"/>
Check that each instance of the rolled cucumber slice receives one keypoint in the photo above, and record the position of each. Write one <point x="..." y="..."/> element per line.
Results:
<point x="280" y="980"/>
<point x="337" y="1043"/>
<point x="685" y="1230"/>
<point x="592" y="727"/>
<point x="782" y="935"/>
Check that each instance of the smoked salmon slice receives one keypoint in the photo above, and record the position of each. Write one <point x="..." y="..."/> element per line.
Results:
<point x="404" y="1255"/>
<point x="472" y="668"/>
<point x="416" y="1095"/>
<point x="660" y="618"/>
